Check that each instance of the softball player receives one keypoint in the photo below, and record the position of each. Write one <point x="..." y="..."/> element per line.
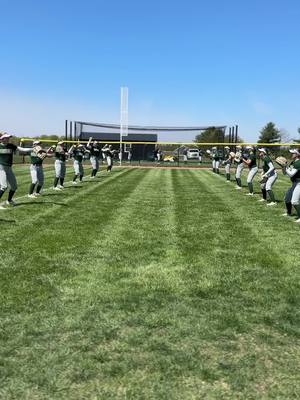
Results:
<point x="159" y="155"/>
<point x="7" y="176"/>
<point x="215" y="160"/>
<point x="60" y="165"/>
<point x="227" y="162"/>
<point x="94" y="151"/>
<point x="269" y="177"/>
<point x="292" y="197"/>
<point x="37" y="156"/>
<point x="109" y="154"/>
<point x="129" y="155"/>
<point x="200" y="157"/>
<point x="251" y="162"/>
<point x="240" y="166"/>
<point x="185" y="155"/>
<point x="77" y="152"/>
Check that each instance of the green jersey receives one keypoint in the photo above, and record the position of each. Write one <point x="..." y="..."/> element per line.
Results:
<point x="60" y="153"/>
<point x="6" y="154"/>
<point x="78" y="155"/>
<point x="94" y="151"/>
<point x="252" y="159"/>
<point x="216" y="156"/>
<point x="296" y="165"/>
<point x="266" y="166"/>
<point x="34" y="159"/>
<point x="227" y="157"/>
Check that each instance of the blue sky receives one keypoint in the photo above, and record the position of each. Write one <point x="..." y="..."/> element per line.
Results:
<point x="184" y="62"/>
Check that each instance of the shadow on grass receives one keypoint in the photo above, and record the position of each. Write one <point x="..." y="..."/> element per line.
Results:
<point x="41" y="203"/>
<point x="50" y="194"/>
<point x="8" y="220"/>
<point x="79" y="186"/>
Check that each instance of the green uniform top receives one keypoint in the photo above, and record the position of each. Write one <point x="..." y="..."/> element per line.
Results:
<point x="60" y="153"/>
<point x="78" y="155"/>
<point x="296" y="165"/>
<point x="227" y="157"/>
<point x="6" y="154"/>
<point x="216" y="155"/>
<point x="35" y="159"/>
<point x="252" y="158"/>
<point x="266" y="166"/>
<point x="94" y="151"/>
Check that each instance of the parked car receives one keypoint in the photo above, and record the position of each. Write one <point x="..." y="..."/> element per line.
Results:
<point x="193" y="154"/>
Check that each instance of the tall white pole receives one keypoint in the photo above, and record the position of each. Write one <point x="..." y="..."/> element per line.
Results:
<point x="123" y="118"/>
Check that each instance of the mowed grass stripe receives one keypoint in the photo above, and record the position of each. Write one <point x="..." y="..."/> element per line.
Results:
<point x="148" y="307"/>
<point x="24" y="178"/>
<point x="28" y="210"/>
<point x="235" y="291"/>
<point x="88" y="279"/>
<point x="51" y="244"/>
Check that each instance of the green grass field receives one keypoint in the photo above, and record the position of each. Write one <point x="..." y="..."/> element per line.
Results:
<point x="148" y="284"/>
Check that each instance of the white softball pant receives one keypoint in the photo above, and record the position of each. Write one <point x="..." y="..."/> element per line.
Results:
<point x="253" y="171"/>
<point x="227" y="168"/>
<point x="296" y="195"/>
<point x="60" y="168"/>
<point x="239" y="170"/>
<point x="78" y="168"/>
<point x="270" y="182"/>
<point x="215" y="164"/>
<point x="95" y="162"/>
<point x="109" y="161"/>
<point x="7" y="177"/>
<point x="37" y="174"/>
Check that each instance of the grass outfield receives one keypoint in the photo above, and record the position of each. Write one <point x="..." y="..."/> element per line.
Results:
<point x="149" y="284"/>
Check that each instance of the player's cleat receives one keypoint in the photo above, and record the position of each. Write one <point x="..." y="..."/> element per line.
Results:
<point x="2" y="208"/>
<point x="74" y="183"/>
<point x="261" y="200"/>
<point x="273" y="203"/>
<point x="238" y="188"/>
<point x="57" y="188"/>
<point x="286" y="215"/>
<point x="60" y="186"/>
<point x="228" y="181"/>
<point x="249" y="194"/>
<point x="37" y="194"/>
<point x="31" y="196"/>
<point x="10" y="203"/>
<point x="297" y="221"/>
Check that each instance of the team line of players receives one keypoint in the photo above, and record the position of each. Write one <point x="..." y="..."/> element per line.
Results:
<point x="37" y="156"/>
<point x="241" y="158"/>
<point x="247" y="158"/>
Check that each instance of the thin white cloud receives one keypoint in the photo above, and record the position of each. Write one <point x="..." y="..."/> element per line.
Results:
<point x="262" y="108"/>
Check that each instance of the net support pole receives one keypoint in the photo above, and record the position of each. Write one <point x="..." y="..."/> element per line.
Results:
<point x="236" y="133"/>
<point x="123" y="119"/>
<point x="66" y="129"/>
<point x="70" y="130"/>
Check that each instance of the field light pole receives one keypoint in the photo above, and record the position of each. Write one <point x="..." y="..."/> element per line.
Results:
<point x="123" y="119"/>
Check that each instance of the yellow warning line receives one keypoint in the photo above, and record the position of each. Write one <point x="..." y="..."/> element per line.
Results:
<point x="169" y="143"/>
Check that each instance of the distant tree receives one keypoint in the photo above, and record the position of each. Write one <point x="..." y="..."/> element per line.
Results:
<point x="51" y="137"/>
<point x="239" y="139"/>
<point x="210" y="135"/>
<point x="285" y="136"/>
<point x="15" y="140"/>
<point x="269" y="134"/>
<point x="214" y="135"/>
<point x="298" y="139"/>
